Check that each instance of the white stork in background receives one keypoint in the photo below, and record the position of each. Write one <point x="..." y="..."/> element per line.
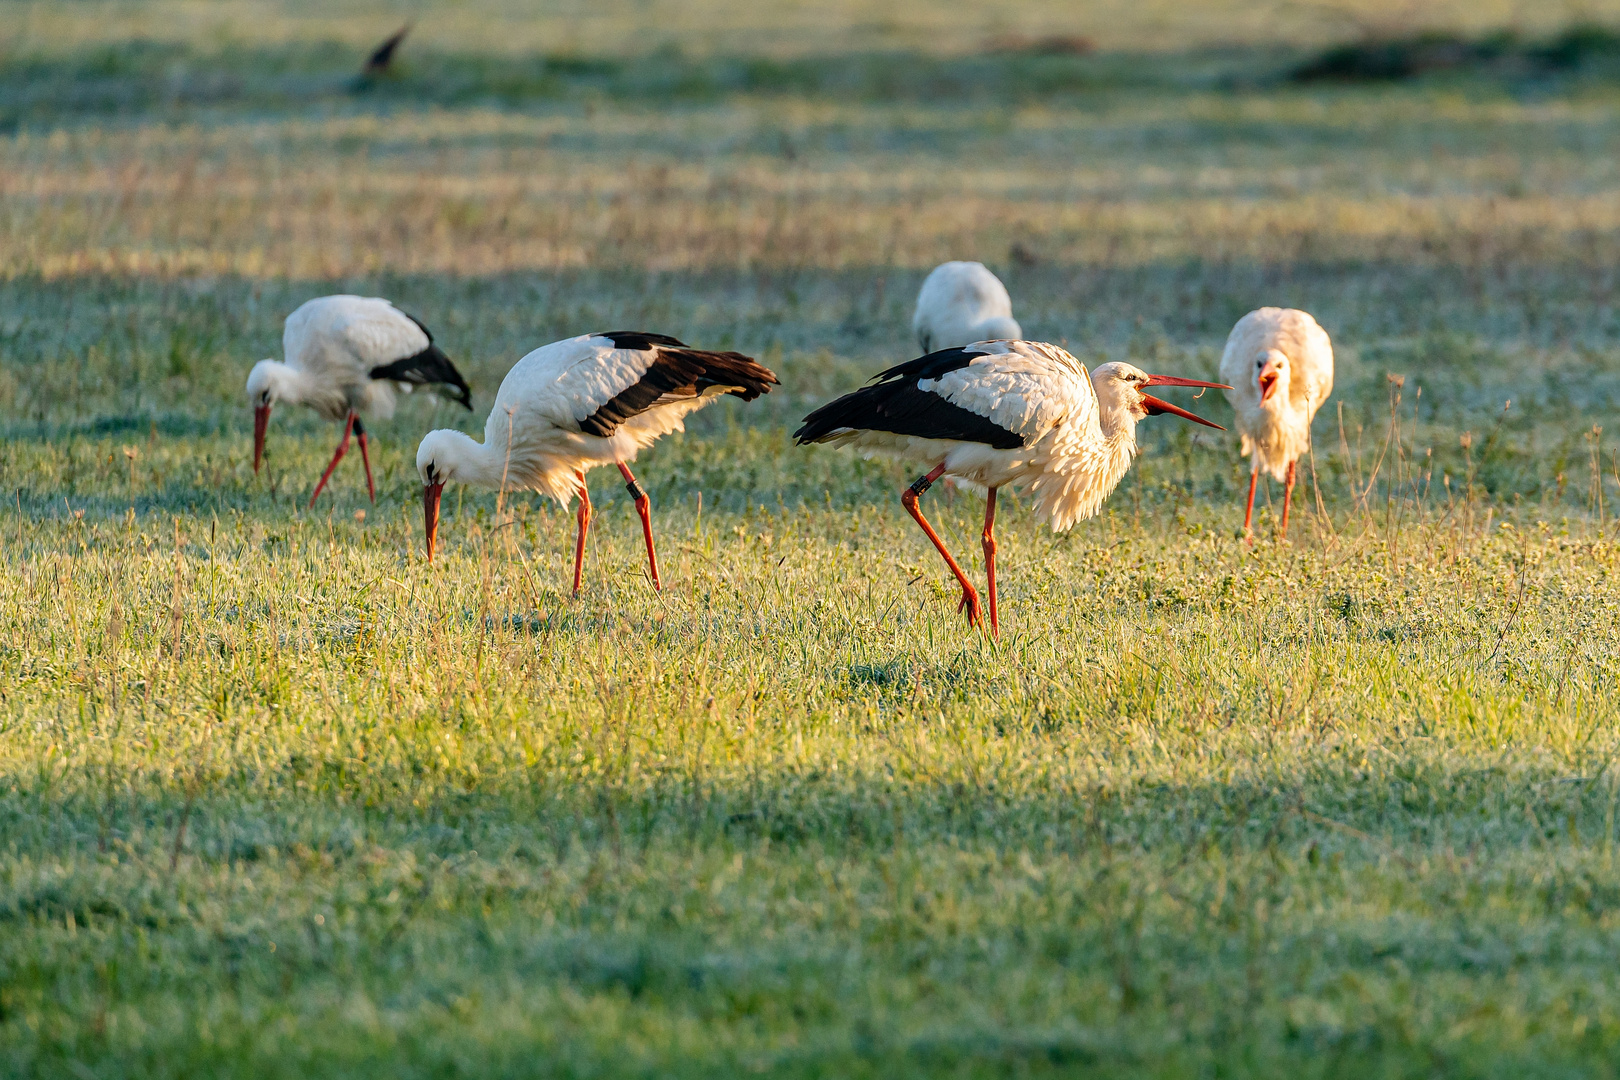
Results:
<point x="997" y="413"/>
<point x="960" y="303"/>
<point x="572" y="405"/>
<point x="346" y="355"/>
<point x="1280" y="364"/>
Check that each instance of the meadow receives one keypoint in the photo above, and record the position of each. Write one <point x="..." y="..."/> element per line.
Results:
<point x="279" y="798"/>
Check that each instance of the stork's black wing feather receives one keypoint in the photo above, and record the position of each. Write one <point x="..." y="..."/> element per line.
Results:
<point x="640" y="340"/>
<point x="931" y="366"/>
<point x="899" y="408"/>
<point x="430" y="367"/>
<point x="675" y="372"/>
<point x="420" y="325"/>
<point x="894" y="404"/>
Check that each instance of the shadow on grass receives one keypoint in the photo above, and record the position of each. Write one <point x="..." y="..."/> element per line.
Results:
<point x="799" y="924"/>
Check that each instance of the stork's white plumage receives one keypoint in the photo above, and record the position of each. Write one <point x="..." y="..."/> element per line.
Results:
<point x="960" y="303"/>
<point x="1280" y="364"/>
<point x="346" y="356"/>
<point x="996" y="413"/>
<point x="570" y="406"/>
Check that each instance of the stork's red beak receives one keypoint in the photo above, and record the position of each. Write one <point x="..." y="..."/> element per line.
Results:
<point x="1268" y="384"/>
<point x="430" y="514"/>
<point x="1176" y="380"/>
<point x="261" y="422"/>
<point x="1155" y="405"/>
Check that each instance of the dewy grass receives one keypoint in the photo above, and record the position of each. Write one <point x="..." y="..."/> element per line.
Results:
<point x="277" y="798"/>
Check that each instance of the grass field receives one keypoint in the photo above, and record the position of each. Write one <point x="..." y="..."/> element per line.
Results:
<point x="278" y="798"/>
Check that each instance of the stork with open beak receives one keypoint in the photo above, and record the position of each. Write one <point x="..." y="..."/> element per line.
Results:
<point x="999" y="413"/>
<point x="1280" y="364"/>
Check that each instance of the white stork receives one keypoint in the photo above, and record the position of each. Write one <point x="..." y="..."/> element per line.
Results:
<point x="960" y="303"/>
<point x="572" y="405"/>
<point x="346" y="355"/>
<point x="996" y="413"/>
<point x="1280" y="364"/>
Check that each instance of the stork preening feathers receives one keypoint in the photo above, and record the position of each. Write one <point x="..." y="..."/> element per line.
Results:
<point x="1280" y="364"/>
<point x="960" y="303"/>
<point x="996" y="413"/>
<point x="572" y="405"/>
<point x="346" y="356"/>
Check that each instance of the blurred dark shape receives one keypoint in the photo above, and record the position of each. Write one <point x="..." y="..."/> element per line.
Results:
<point x="1578" y="44"/>
<point x="1391" y="59"/>
<point x="382" y="60"/>
<point x="1022" y="255"/>
<point x="1051" y="45"/>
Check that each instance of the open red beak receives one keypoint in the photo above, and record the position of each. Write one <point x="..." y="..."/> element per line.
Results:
<point x="261" y="422"/>
<point x="1268" y="384"/>
<point x="430" y="514"/>
<point x="1155" y="405"/>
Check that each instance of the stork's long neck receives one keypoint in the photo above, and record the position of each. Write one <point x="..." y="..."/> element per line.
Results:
<point x="1118" y="429"/>
<point x="299" y="386"/>
<point x="482" y="464"/>
<point x="288" y="385"/>
<point x="1088" y="469"/>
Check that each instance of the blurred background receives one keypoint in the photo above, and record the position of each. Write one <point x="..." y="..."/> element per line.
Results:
<point x="1437" y="182"/>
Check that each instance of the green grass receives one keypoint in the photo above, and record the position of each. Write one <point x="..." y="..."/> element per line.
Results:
<point x="278" y="798"/>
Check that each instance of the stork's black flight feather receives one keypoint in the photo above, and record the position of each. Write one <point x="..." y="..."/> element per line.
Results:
<point x="676" y="371"/>
<point x="430" y="367"/>
<point x="894" y="404"/>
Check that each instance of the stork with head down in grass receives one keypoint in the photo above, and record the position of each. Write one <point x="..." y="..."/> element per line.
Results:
<point x="570" y="406"/>
<point x="347" y="356"/>
<point x="960" y="303"/>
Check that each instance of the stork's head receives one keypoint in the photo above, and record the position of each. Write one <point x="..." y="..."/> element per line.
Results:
<point x="1120" y="389"/>
<point x="1271" y="374"/>
<point x="444" y="455"/>
<point x="270" y="381"/>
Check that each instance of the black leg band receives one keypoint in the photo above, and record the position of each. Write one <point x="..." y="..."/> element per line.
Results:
<point x="921" y="485"/>
<point x="359" y="428"/>
<point x="635" y="490"/>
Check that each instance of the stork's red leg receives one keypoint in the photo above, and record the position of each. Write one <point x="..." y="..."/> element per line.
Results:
<point x="365" y="458"/>
<point x="644" y="508"/>
<point x="908" y="499"/>
<point x="343" y="448"/>
<point x="1288" y="496"/>
<point x="989" y="539"/>
<point x="584" y="525"/>
<point x="1248" y="515"/>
